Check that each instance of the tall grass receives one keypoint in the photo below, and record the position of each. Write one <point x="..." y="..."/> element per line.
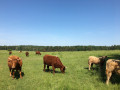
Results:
<point x="76" y="77"/>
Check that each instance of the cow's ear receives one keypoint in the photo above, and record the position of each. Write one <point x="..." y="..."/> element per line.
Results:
<point x="19" y="60"/>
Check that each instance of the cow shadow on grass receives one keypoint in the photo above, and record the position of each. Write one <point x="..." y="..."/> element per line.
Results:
<point x="115" y="79"/>
<point x="17" y="75"/>
<point x="51" y="71"/>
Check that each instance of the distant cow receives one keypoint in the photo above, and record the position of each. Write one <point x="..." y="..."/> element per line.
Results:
<point x="112" y="65"/>
<point x="96" y="60"/>
<point x="27" y="54"/>
<point x="10" y="52"/>
<point x="53" y="61"/>
<point x="14" y="63"/>
<point x="38" y="53"/>
<point x="20" y="51"/>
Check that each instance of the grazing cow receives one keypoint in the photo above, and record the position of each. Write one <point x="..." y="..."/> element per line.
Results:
<point x="20" y="51"/>
<point x="53" y="61"/>
<point x="10" y="52"/>
<point x="112" y="65"/>
<point x="95" y="60"/>
<point x="27" y="54"/>
<point x="14" y="63"/>
<point x="38" y="53"/>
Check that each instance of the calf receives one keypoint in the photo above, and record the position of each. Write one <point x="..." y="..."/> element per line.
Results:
<point x="53" y="61"/>
<point x="96" y="60"/>
<point x="14" y="63"/>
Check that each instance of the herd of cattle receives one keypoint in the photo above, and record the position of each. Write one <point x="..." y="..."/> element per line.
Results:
<point x="112" y="65"/>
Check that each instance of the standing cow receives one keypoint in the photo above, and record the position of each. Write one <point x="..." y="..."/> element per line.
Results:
<point x="10" y="52"/>
<point x="14" y="63"/>
<point x="27" y="54"/>
<point x="20" y="51"/>
<point x="96" y="60"/>
<point x="53" y="61"/>
<point x="38" y="53"/>
<point x="112" y="65"/>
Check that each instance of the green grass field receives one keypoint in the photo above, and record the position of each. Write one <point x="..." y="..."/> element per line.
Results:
<point x="76" y="77"/>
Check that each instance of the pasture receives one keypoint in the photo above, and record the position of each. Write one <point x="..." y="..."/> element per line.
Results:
<point x="76" y="77"/>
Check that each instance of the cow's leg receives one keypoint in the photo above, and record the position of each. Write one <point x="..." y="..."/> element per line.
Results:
<point x="108" y="74"/>
<point x="20" y="73"/>
<point x="48" y="67"/>
<point x="44" y="67"/>
<point x="92" y="65"/>
<point x="53" y="69"/>
<point x="100" y="66"/>
<point x="13" y="73"/>
<point x="89" y="65"/>
<point x="10" y="72"/>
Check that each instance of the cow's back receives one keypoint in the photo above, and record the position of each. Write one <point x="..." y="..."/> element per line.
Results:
<point x="13" y="57"/>
<point x="94" y="59"/>
<point x="49" y="60"/>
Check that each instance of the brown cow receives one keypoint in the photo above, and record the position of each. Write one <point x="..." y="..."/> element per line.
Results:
<point x="10" y="52"/>
<point x="27" y="54"/>
<point x="14" y="63"/>
<point x="53" y="61"/>
<point x="38" y="53"/>
<point x="112" y="65"/>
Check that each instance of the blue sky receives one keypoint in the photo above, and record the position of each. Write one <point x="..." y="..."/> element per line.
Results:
<point x="60" y="22"/>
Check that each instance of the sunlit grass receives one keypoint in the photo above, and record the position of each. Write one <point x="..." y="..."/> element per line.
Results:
<point x="77" y="76"/>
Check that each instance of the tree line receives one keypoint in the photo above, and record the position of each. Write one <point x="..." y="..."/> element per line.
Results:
<point x="59" y="48"/>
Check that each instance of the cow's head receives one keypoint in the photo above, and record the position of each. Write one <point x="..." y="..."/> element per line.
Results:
<point x="63" y="69"/>
<point x="103" y="58"/>
<point x="14" y="62"/>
